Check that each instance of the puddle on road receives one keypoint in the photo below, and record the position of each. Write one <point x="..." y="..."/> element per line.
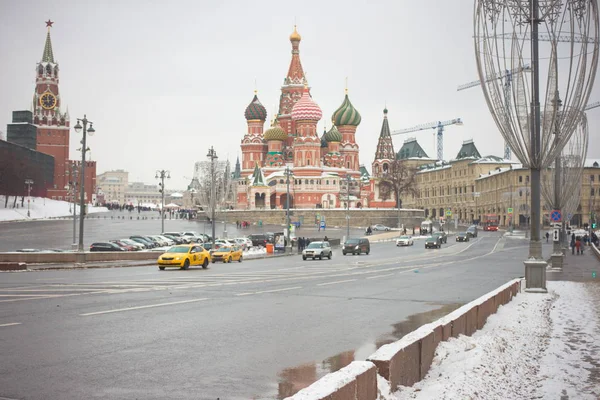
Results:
<point x="292" y="380"/>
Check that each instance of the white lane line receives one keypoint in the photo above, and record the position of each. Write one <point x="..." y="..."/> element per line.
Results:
<point x="269" y="291"/>
<point x="335" y="283"/>
<point x="10" y="324"/>
<point x="142" y="307"/>
<point x="378" y="276"/>
<point x="30" y="295"/>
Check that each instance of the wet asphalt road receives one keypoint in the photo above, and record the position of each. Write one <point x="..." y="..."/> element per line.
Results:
<point x="260" y="329"/>
<point x="58" y="234"/>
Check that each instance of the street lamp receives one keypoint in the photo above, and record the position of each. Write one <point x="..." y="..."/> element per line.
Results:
<point x="212" y="155"/>
<point x="288" y="172"/>
<point x="162" y="174"/>
<point x="28" y="182"/>
<point x="84" y="148"/>
<point x="348" y="179"/>
<point x="72" y="186"/>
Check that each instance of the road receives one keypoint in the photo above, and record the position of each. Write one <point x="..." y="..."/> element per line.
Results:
<point x="58" y="234"/>
<point x="260" y="329"/>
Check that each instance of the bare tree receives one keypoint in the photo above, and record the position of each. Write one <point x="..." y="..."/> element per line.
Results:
<point x="224" y="183"/>
<point x="399" y="179"/>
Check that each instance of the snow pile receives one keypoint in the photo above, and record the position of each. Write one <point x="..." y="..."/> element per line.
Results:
<point x="536" y="346"/>
<point x="40" y="208"/>
<point x="256" y="250"/>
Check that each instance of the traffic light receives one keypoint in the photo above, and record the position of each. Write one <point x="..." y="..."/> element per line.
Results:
<point x="594" y="225"/>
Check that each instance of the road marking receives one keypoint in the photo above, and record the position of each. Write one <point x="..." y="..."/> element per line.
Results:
<point x="269" y="291"/>
<point x="10" y="324"/>
<point x="378" y="276"/>
<point x="142" y="307"/>
<point x="335" y="283"/>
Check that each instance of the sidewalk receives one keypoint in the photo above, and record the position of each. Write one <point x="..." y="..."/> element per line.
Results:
<point x="537" y="346"/>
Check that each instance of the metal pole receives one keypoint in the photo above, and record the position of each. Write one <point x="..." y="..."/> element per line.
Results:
<point x="73" y="193"/>
<point x="398" y="206"/>
<point x="535" y="244"/>
<point x="212" y="155"/>
<point x="162" y="199"/>
<point x="82" y="185"/>
<point x="347" y="207"/>
<point x="28" y="182"/>
<point x="287" y="205"/>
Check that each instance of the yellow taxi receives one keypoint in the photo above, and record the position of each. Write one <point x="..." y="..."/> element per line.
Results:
<point x="227" y="254"/>
<point x="183" y="256"/>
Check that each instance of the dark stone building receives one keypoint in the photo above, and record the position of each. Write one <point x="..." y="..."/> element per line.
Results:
<point x="22" y="131"/>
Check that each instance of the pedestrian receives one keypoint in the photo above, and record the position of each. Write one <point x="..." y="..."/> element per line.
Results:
<point x="573" y="244"/>
<point x="578" y="245"/>
<point x="326" y="239"/>
<point x="306" y="242"/>
<point x="547" y="237"/>
<point x="299" y="244"/>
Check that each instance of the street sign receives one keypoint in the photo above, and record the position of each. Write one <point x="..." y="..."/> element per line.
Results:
<point x="555" y="235"/>
<point x="322" y="224"/>
<point x="569" y="216"/>
<point x="510" y="210"/>
<point x="556" y="216"/>
<point x="448" y="213"/>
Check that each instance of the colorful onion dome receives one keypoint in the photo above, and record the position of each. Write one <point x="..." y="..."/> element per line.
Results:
<point x="306" y="108"/>
<point x="333" y="135"/>
<point x="346" y="114"/>
<point x="295" y="36"/>
<point x="275" y="132"/>
<point x="255" y="110"/>
<point x="323" y="141"/>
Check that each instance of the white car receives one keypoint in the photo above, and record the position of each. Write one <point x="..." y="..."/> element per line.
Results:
<point x="244" y="243"/>
<point x="194" y="236"/>
<point x="170" y="242"/>
<point x="405" y="241"/>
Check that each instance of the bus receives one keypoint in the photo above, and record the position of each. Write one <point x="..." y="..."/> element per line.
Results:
<point x="490" y="222"/>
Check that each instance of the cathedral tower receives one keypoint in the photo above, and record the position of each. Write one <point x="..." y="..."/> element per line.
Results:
<point x="307" y="145"/>
<point x="347" y="119"/>
<point x="254" y="148"/>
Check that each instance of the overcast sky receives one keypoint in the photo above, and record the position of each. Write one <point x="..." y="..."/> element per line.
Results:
<point x="163" y="81"/>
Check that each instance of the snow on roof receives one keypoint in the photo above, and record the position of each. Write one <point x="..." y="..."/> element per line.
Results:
<point x="176" y="194"/>
<point x="500" y="171"/>
<point x="494" y="160"/>
<point x="592" y="163"/>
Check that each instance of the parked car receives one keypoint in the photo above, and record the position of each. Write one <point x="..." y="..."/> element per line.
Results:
<point x="169" y="241"/>
<point x="194" y="237"/>
<point x="443" y="236"/>
<point x="472" y="231"/>
<point x="380" y="227"/>
<point x="433" y="242"/>
<point x="146" y="242"/>
<point x="184" y="256"/>
<point x="244" y="243"/>
<point x="356" y="246"/>
<point x="105" y="246"/>
<point x="405" y="240"/>
<point x="162" y="242"/>
<point x="317" y="250"/>
<point x="176" y="239"/>
<point x="186" y="239"/>
<point x="258" y="239"/>
<point x="130" y="242"/>
<point x="156" y="242"/>
<point x="462" y="237"/>
<point x="227" y="254"/>
<point x="124" y="245"/>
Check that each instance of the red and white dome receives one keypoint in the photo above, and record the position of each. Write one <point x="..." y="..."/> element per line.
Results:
<point x="306" y="108"/>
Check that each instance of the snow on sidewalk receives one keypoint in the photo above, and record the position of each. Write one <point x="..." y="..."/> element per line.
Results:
<point x="537" y="346"/>
<point x="40" y="208"/>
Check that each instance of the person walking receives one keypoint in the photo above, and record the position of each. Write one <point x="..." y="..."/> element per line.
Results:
<point x="326" y="239"/>
<point x="573" y="243"/>
<point x="578" y="245"/>
<point x="547" y="237"/>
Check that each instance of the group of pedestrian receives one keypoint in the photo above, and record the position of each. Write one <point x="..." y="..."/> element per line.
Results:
<point x="578" y="243"/>
<point x="242" y="224"/>
<point x="302" y="243"/>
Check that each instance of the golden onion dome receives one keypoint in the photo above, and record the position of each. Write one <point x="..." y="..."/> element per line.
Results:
<point x="295" y="36"/>
<point x="275" y="132"/>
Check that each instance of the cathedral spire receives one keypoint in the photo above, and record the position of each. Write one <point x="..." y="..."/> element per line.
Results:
<point x="295" y="74"/>
<point x="48" y="54"/>
<point x="385" y="148"/>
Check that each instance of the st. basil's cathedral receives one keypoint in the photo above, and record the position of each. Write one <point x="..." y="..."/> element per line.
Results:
<point x="319" y="168"/>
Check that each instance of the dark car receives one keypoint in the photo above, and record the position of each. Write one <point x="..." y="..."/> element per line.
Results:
<point x="124" y="245"/>
<point x="141" y="239"/>
<point x="443" y="236"/>
<point x="106" y="246"/>
<point x="186" y="239"/>
<point x="462" y="237"/>
<point x="356" y="246"/>
<point x="176" y="239"/>
<point x="472" y="231"/>
<point x="433" y="242"/>
<point x="258" y="239"/>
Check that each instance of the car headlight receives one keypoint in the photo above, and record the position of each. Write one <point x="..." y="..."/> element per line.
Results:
<point x="356" y="247"/>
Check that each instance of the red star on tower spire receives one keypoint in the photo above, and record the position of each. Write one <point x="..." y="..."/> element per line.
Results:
<point x="49" y="23"/>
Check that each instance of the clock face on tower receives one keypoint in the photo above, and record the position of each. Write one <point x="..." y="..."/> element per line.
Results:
<point x="48" y="101"/>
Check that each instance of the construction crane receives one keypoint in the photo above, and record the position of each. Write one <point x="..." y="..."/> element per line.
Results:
<point x="507" y="77"/>
<point x="440" y="132"/>
<point x="592" y="105"/>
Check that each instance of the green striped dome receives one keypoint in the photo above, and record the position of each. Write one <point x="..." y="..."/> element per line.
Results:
<point x="333" y="135"/>
<point x="346" y="114"/>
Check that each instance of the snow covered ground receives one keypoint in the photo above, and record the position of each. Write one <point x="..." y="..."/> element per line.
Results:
<point x="39" y="208"/>
<point x="538" y="346"/>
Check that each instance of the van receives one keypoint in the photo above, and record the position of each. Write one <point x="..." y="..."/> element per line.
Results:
<point x="356" y="246"/>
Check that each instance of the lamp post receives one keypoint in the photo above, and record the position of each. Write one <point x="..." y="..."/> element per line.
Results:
<point x="84" y="148"/>
<point x="212" y="155"/>
<point x="162" y="174"/>
<point x="72" y="186"/>
<point x="287" y="204"/>
<point x="348" y="179"/>
<point x="28" y="182"/>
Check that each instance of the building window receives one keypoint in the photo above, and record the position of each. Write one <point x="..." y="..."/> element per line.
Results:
<point x="520" y="178"/>
<point x="592" y="178"/>
<point x="592" y="192"/>
<point x="327" y="182"/>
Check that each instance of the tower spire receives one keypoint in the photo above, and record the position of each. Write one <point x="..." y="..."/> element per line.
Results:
<point x="295" y="73"/>
<point x="48" y="55"/>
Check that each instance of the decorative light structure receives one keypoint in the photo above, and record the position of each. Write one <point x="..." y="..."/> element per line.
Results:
<point x="508" y="35"/>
